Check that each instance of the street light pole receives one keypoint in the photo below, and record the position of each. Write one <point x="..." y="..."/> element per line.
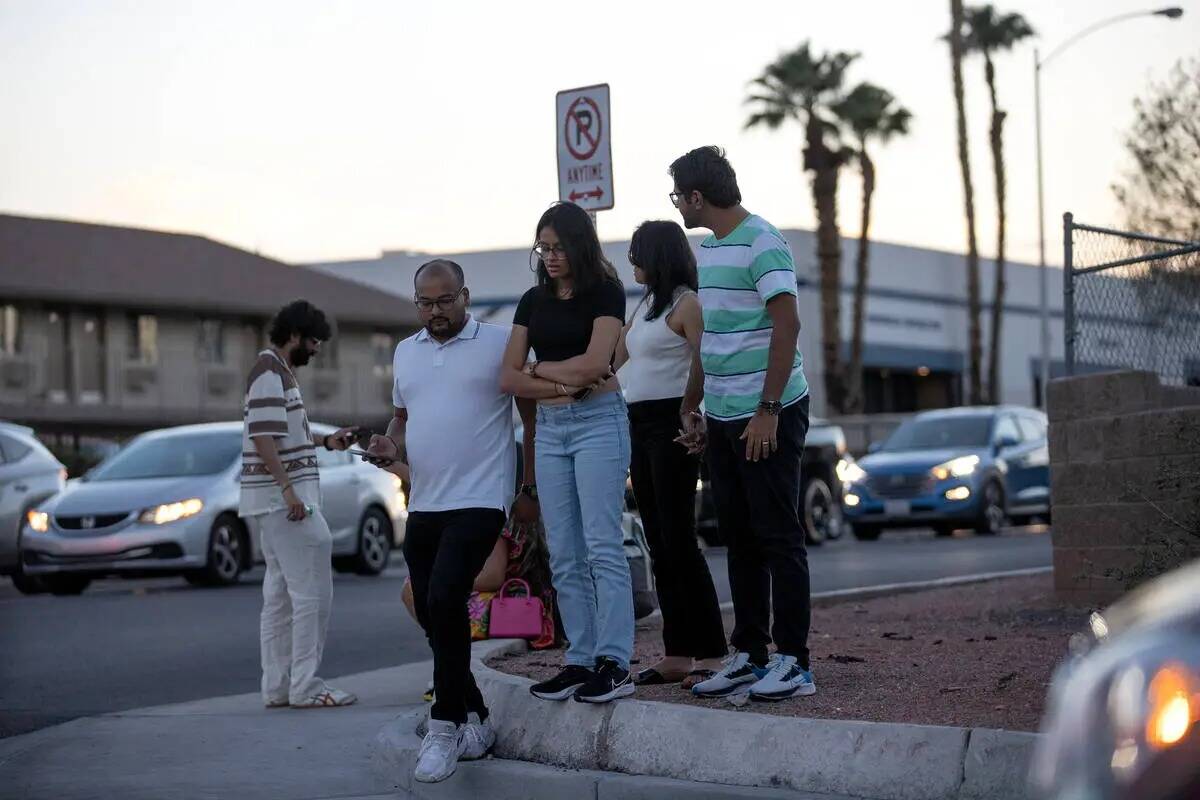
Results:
<point x="1038" y="63"/>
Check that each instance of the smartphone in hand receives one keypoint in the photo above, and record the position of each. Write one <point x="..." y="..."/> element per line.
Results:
<point x="372" y="457"/>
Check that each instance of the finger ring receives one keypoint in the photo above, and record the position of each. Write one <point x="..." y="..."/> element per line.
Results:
<point x="766" y="441"/>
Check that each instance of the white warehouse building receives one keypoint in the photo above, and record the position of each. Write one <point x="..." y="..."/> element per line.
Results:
<point x="915" y="338"/>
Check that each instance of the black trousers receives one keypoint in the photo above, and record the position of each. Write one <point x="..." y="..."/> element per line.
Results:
<point x="445" y="550"/>
<point x="664" y="485"/>
<point x="757" y="504"/>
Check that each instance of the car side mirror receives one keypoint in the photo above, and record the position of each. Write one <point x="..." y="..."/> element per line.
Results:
<point x="874" y="447"/>
<point x="1005" y="442"/>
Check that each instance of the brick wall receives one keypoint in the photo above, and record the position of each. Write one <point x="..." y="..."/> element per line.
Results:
<point x="1125" y="481"/>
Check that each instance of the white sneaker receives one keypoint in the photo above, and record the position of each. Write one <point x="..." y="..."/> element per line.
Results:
<point x="328" y="698"/>
<point x="443" y="746"/>
<point x="480" y="737"/>
<point x="784" y="679"/>
<point x="738" y="671"/>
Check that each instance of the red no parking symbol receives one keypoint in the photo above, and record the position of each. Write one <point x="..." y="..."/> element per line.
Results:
<point x="582" y="129"/>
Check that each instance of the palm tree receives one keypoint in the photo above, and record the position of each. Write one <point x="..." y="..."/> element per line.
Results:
<point x="802" y="86"/>
<point x="987" y="32"/>
<point x="974" y="349"/>
<point x="870" y="113"/>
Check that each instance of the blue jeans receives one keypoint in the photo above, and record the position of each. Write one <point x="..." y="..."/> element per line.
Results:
<point x="582" y="462"/>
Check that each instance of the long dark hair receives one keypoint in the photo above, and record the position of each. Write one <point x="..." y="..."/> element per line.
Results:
<point x="577" y="234"/>
<point x="660" y="249"/>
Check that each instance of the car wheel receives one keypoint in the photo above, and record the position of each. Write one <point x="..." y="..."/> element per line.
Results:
<point x="866" y="533"/>
<point x="226" y="548"/>
<point x="991" y="513"/>
<point x="28" y="584"/>
<point x="819" y="510"/>
<point x="374" y="543"/>
<point x="343" y="564"/>
<point x="66" y="585"/>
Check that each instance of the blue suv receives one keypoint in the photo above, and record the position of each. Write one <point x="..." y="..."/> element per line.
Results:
<point x="950" y="469"/>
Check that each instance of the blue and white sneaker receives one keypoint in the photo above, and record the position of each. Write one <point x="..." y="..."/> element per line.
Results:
<point x="737" y="671"/>
<point x="784" y="679"/>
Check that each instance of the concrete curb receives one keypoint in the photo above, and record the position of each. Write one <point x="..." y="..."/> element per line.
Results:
<point x="705" y="750"/>
<point x="394" y="755"/>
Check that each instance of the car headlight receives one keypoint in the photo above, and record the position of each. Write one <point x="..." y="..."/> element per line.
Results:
<point x="171" y="512"/>
<point x="849" y="472"/>
<point x="956" y="468"/>
<point x="401" y="498"/>
<point x="39" y="521"/>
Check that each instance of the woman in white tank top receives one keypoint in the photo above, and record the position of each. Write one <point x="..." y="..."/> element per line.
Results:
<point x="660" y="371"/>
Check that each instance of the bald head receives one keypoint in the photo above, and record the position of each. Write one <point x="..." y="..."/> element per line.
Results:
<point x="442" y="268"/>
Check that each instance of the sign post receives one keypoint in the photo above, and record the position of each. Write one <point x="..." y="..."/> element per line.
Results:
<point x="584" y="138"/>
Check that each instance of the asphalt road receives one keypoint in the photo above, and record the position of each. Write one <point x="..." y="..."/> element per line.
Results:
<point x="130" y="644"/>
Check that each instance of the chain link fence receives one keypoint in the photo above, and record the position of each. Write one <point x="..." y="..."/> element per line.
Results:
<point x="1131" y="301"/>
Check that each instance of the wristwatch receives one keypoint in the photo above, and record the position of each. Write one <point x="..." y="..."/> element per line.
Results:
<point x="529" y="490"/>
<point x="772" y="407"/>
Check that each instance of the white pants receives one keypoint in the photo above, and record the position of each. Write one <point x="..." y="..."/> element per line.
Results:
<point x="297" y="595"/>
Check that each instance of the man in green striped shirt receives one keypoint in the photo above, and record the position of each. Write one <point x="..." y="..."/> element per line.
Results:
<point x="756" y="406"/>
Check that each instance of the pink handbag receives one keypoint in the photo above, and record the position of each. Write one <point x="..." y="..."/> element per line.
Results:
<point x="515" y="617"/>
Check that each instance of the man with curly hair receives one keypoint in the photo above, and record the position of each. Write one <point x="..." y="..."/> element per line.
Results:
<point x="281" y="498"/>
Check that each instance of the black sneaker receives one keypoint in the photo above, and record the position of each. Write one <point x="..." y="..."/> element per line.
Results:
<point x="562" y="685"/>
<point x="609" y="682"/>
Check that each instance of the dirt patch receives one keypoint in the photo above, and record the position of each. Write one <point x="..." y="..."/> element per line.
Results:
<point x="979" y="655"/>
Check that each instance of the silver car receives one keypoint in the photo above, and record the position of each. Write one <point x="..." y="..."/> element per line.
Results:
<point x="29" y="474"/>
<point x="167" y="503"/>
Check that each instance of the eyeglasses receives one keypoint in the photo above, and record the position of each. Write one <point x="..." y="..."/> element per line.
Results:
<point x="443" y="303"/>
<point x="677" y="197"/>
<point x="544" y="251"/>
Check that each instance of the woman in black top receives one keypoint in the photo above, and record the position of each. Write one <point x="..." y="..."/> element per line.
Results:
<point x="572" y="320"/>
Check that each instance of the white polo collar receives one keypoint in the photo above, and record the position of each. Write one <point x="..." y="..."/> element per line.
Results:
<point x="469" y="331"/>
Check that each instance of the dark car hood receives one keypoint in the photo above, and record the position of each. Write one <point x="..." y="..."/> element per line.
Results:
<point x="909" y="460"/>
<point x="119" y="497"/>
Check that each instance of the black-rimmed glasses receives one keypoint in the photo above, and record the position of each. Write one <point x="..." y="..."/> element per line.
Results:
<point x="443" y="303"/>
<point x="544" y="251"/>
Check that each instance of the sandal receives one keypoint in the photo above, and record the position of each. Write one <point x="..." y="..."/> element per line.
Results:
<point x="652" y="677"/>
<point x="696" y="676"/>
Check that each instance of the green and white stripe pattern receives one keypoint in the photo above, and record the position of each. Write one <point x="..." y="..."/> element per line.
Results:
<point x="738" y="275"/>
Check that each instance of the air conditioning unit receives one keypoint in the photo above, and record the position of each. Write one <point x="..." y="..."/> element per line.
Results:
<point x="325" y="386"/>
<point x="16" y="374"/>
<point x="221" y="382"/>
<point x="138" y="378"/>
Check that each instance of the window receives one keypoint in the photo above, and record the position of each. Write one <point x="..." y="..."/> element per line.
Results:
<point x="172" y="456"/>
<point x="212" y="341"/>
<point x="937" y="433"/>
<point x="1033" y="428"/>
<point x="143" y="338"/>
<point x="382" y="350"/>
<point x="1006" y="429"/>
<point x="10" y="330"/>
<point x="12" y="450"/>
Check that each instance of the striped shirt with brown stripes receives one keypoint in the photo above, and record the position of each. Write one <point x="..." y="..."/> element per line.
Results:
<point x="275" y="408"/>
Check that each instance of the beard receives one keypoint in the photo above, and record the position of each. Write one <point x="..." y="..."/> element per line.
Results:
<point x="444" y="326"/>
<point x="300" y="357"/>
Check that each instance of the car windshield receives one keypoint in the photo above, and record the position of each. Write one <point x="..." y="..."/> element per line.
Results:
<point x="940" y="433"/>
<point x="175" y="456"/>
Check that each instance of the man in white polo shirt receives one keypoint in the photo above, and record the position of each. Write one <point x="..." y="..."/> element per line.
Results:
<point x="454" y="428"/>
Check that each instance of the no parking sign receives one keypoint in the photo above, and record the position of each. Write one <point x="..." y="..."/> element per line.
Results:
<point x="585" y="147"/>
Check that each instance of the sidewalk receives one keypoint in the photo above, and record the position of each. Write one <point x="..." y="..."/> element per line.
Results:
<point x="226" y="748"/>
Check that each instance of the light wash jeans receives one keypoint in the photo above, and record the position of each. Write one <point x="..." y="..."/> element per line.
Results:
<point x="297" y="596"/>
<point x="582" y="462"/>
